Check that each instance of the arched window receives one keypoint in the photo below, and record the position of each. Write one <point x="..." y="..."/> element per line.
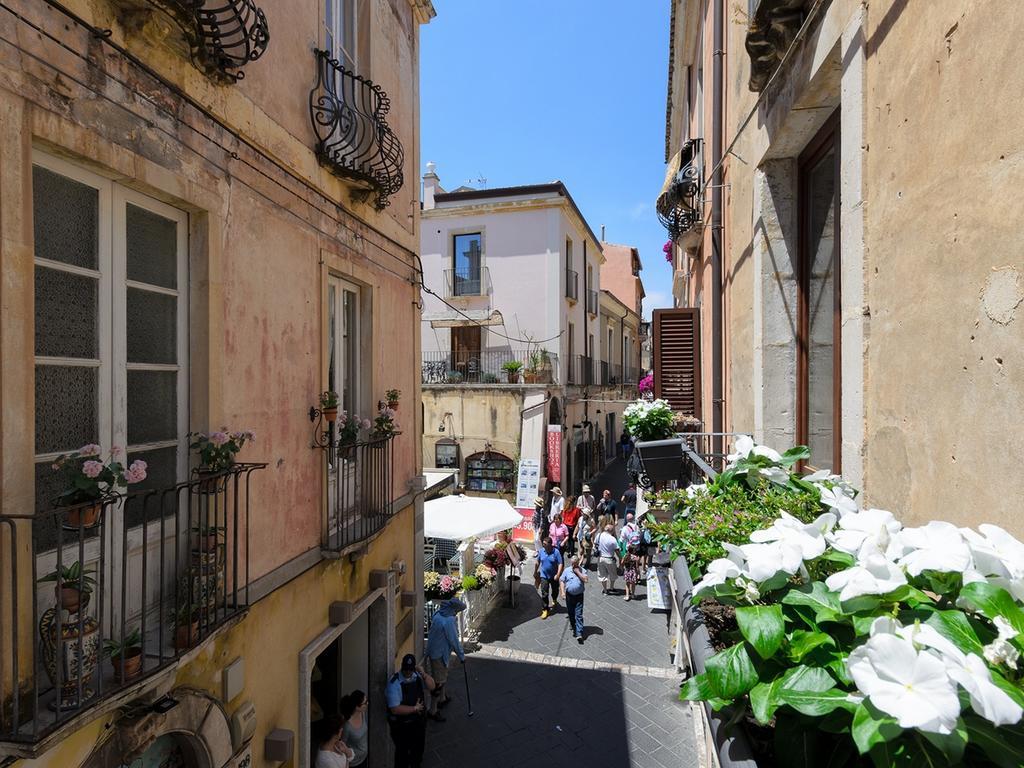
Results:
<point x="490" y="471"/>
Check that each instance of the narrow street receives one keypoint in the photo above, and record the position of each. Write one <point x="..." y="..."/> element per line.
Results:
<point x="538" y="696"/>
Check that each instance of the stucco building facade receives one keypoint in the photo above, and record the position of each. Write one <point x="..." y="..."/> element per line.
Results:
<point x="850" y="298"/>
<point x="185" y="249"/>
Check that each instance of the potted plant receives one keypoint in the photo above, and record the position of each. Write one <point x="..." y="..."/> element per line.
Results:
<point x="73" y="586"/>
<point x="384" y="424"/>
<point x="438" y="586"/>
<point x="125" y="655"/>
<point x="186" y="626"/>
<point x="90" y="482"/>
<point x="205" y="537"/>
<point x="512" y="369"/>
<point x="649" y="420"/>
<point x="329" y="405"/>
<point x="454" y="377"/>
<point x="532" y="373"/>
<point x="393" y="396"/>
<point x="216" y="452"/>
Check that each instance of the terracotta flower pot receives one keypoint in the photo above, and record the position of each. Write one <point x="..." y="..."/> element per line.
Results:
<point x="128" y="667"/>
<point x="204" y="542"/>
<point x="185" y="635"/>
<point x="393" y="405"/>
<point x="513" y="378"/>
<point x="70" y="597"/>
<point x="85" y="517"/>
<point x="330" y="413"/>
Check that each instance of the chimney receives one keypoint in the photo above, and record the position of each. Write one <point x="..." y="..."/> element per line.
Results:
<point x="431" y="184"/>
<point x="602" y="233"/>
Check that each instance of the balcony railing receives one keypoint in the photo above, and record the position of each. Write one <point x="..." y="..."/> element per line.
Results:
<point x="223" y="35"/>
<point x="583" y="371"/>
<point x="679" y="204"/>
<point x="156" y="571"/>
<point x="487" y="367"/>
<point x="592" y="301"/>
<point x="360" y="490"/>
<point x="353" y="138"/>
<point x="467" y="282"/>
<point x="572" y="284"/>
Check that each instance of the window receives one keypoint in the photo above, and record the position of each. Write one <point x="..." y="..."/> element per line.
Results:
<point x="819" y="390"/>
<point x="466" y="254"/>
<point x="611" y="347"/>
<point x="341" y="32"/>
<point x="568" y="255"/>
<point x="343" y="340"/>
<point x="111" y="325"/>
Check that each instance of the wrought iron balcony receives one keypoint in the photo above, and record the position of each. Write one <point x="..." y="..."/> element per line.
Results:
<point x="486" y="366"/>
<point x="155" y="572"/>
<point x="353" y="138"/>
<point x="572" y="284"/>
<point x="360" y="489"/>
<point x="223" y="35"/>
<point x="467" y="282"/>
<point x="679" y="204"/>
<point x="687" y="458"/>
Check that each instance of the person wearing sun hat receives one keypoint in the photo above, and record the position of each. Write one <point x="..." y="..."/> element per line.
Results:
<point x="557" y="503"/>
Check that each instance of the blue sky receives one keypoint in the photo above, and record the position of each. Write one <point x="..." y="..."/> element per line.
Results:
<point x="530" y="91"/>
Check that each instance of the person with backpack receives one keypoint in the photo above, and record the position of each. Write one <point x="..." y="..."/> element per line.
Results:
<point x="630" y="533"/>
<point x="574" y="580"/>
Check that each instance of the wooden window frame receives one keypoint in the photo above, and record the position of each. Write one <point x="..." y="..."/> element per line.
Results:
<point x="827" y="138"/>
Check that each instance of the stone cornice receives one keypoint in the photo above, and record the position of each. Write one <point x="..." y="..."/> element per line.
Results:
<point x="423" y="10"/>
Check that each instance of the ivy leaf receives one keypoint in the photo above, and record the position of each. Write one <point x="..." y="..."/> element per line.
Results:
<point x="954" y="626"/>
<point x="992" y="601"/>
<point x="816" y="703"/>
<point x="802" y="642"/>
<point x="731" y="673"/>
<point x="817" y="596"/>
<point x="763" y="627"/>
<point x="871" y="727"/>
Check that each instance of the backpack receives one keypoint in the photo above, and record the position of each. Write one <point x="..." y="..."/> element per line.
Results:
<point x="633" y="537"/>
<point x="647" y="538"/>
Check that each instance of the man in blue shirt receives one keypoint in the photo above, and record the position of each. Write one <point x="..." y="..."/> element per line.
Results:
<point x="442" y="640"/>
<point x="550" y="561"/>
<point x="404" y="697"/>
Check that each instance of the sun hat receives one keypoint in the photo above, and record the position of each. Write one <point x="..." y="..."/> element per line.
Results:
<point x="586" y="488"/>
<point x="538" y="501"/>
<point x="556" y="491"/>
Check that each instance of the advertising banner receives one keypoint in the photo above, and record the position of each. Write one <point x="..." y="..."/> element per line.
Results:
<point x="554" y="453"/>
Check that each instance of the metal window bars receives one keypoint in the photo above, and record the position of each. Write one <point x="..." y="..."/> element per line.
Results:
<point x="360" y="490"/>
<point x="170" y="564"/>
<point x="466" y="281"/>
<point x="354" y="139"/>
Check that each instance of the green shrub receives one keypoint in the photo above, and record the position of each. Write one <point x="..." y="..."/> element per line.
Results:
<point x="470" y="583"/>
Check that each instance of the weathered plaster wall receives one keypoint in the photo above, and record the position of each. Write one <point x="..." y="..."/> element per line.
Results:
<point x="944" y="166"/>
<point x="491" y="413"/>
<point x="617" y="276"/>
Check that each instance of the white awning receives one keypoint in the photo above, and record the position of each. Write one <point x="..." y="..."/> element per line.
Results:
<point x="463" y="517"/>
<point x="469" y="317"/>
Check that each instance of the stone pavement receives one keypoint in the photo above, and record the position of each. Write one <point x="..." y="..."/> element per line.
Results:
<point x="539" y="698"/>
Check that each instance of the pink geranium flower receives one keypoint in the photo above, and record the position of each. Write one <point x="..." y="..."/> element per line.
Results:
<point x="90" y="449"/>
<point x="219" y="438"/>
<point x="92" y="469"/>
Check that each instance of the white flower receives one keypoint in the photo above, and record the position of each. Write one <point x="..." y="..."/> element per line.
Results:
<point x="867" y="532"/>
<point x="1005" y="629"/>
<point x="766" y="560"/>
<point x="809" y="537"/>
<point x="873" y="575"/>
<point x="995" y="552"/>
<point x="837" y="499"/>
<point x="692" y="491"/>
<point x="718" y="572"/>
<point x="750" y="591"/>
<point x="770" y="453"/>
<point x="938" y="546"/>
<point x="1000" y="651"/>
<point x="777" y="475"/>
<point x="908" y="684"/>
<point x="743" y="446"/>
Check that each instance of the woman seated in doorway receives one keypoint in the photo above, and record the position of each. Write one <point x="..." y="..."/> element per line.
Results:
<point x="331" y="751"/>
<point x="356" y="734"/>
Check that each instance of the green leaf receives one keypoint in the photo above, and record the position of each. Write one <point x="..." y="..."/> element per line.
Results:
<point x="954" y="626"/>
<point x="862" y="604"/>
<point x="816" y="703"/>
<point x="1003" y="746"/>
<point x="793" y="455"/>
<point x="817" y="596"/>
<point x="697" y="688"/>
<point x="802" y="642"/>
<point x="731" y="673"/>
<point x="839" y="558"/>
<point x="764" y="700"/>
<point x="804" y="678"/>
<point x="762" y="626"/>
<point x="951" y="745"/>
<point x="871" y="727"/>
<point x="992" y="601"/>
<point x="919" y="753"/>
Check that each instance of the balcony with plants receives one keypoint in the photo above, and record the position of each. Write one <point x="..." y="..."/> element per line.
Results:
<point x="490" y="366"/>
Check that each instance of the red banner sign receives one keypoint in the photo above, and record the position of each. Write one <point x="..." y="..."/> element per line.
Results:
<point x="554" y="453"/>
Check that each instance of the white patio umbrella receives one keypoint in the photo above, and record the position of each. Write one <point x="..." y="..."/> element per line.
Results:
<point x="464" y="517"/>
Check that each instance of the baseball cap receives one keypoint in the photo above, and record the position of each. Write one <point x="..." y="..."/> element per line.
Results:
<point x="408" y="662"/>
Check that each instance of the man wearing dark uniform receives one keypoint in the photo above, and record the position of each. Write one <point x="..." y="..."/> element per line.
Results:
<point x="405" y="692"/>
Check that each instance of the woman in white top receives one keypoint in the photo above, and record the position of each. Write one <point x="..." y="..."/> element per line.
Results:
<point x="607" y="547"/>
<point x="332" y="752"/>
<point x="353" y="708"/>
<point x="557" y="503"/>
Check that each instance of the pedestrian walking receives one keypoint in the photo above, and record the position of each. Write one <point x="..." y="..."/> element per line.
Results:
<point x="557" y="503"/>
<point x="607" y="505"/>
<point x="630" y="533"/>
<point x="559" y="533"/>
<point x="630" y="563"/>
<point x="540" y="521"/>
<point x="571" y="517"/>
<point x="574" y="580"/>
<point x="442" y="642"/>
<point x="404" y="695"/>
<point x="331" y="750"/>
<point x="626" y="444"/>
<point x="607" y="547"/>
<point x="629" y="500"/>
<point x="356" y="734"/>
<point x="586" y="501"/>
<point x="585" y="539"/>
<point x="549" y="561"/>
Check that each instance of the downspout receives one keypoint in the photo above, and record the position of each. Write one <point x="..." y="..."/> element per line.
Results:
<point x="716" y="223"/>
<point x="588" y="378"/>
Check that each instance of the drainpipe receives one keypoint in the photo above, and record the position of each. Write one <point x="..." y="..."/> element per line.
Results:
<point x="716" y="222"/>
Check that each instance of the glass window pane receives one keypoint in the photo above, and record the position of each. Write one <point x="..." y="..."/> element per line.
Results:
<point x="152" y="247"/>
<point x="65" y="314"/>
<point x="351" y="351"/>
<point x="152" y="406"/>
<point x="332" y="341"/>
<point x="347" y="33"/>
<point x="65" y="219"/>
<point x="821" y="197"/>
<point x="466" y="278"/>
<point x="152" y="327"/>
<point x="161" y="474"/>
<point x="66" y="407"/>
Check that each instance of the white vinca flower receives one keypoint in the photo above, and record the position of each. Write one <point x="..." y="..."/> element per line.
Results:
<point x="809" y="537"/>
<point x="867" y="532"/>
<point x="837" y="499"/>
<point x="872" y="575"/>
<point x="1001" y="650"/>
<point x="769" y="453"/>
<point x="998" y="556"/>
<point x="766" y="560"/>
<point x="743" y="446"/>
<point x="776" y="475"/>
<point x="937" y="546"/>
<point x="750" y="591"/>
<point x="908" y="684"/>
<point x="718" y="572"/>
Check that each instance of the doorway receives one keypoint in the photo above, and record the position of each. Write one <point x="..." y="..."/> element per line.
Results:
<point x="466" y="344"/>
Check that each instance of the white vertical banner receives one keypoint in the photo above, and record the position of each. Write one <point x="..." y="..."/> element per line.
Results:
<point x="528" y="482"/>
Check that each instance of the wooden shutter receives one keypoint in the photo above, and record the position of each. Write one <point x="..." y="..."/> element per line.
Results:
<point x="677" y="358"/>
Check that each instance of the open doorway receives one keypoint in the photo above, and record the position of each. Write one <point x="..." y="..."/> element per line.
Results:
<point x="342" y="667"/>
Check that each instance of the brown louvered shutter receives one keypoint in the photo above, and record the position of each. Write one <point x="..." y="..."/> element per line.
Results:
<point x="677" y="358"/>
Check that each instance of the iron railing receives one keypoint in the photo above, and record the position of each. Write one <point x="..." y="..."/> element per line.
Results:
<point x="360" y="490"/>
<point x="487" y="367"/>
<point x="679" y="207"/>
<point x="223" y="35"/>
<point x="572" y="284"/>
<point x="583" y="371"/>
<point x="170" y="564"/>
<point x="354" y="139"/>
<point x="592" y="301"/>
<point x="467" y="282"/>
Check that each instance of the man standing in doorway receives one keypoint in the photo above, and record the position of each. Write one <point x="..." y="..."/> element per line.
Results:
<point x="550" y="561"/>
<point x="442" y="641"/>
<point x="404" y="695"/>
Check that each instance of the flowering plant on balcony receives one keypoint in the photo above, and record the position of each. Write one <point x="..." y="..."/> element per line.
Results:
<point x="349" y="426"/>
<point x="858" y="635"/>
<point x="667" y="250"/>
<point x="89" y="478"/>
<point x="649" y="419"/>
<point x="216" y="451"/>
<point x="646" y="384"/>
<point x="485" y="574"/>
<point x="440" y="587"/>
<point x="384" y="424"/>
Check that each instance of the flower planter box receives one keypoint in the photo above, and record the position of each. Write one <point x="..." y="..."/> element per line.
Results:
<point x="730" y="749"/>
<point x="661" y="460"/>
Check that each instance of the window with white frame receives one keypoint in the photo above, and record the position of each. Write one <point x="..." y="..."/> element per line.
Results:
<point x="111" y="324"/>
<point x="343" y="358"/>
<point x="341" y="35"/>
